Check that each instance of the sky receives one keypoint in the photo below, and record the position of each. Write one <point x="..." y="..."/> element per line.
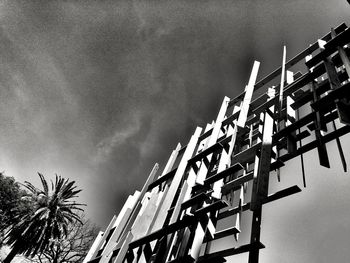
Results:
<point x="99" y="91"/>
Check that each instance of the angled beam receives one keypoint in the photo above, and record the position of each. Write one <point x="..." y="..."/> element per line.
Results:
<point x="312" y="145"/>
<point x="104" y="236"/>
<point x="273" y="197"/>
<point x="297" y="58"/>
<point x="236" y="183"/>
<point x="141" y="197"/>
<point x="119" y="226"/>
<point x="162" y="210"/>
<point x="126" y="234"/>
<point x="162" y="179"/>
<point x="93" y="247"/>
<point x="186" y="221"/>
<point x="211" y="144"/>
<point x="220" y="175"/>
<point x="202" y="173"/>
<point x="342" y="54"/>
<point x="213" y="257"/>
<point x="248" y="96"/>
<point x="223" y="233"/>
<point x="331" y="46"/>
<point x="124" y="249"/>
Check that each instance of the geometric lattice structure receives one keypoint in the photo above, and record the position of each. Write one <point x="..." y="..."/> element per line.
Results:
<point x="223" y="172"/>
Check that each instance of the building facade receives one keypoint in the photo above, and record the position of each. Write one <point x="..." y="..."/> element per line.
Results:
<point x="223" y="171"/>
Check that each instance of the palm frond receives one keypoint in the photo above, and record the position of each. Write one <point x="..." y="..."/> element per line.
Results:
<point x="51" y="213"/>
<point x="44" y="183"/>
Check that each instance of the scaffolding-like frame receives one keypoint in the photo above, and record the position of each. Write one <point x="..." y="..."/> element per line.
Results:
<point x="174" y="217"/>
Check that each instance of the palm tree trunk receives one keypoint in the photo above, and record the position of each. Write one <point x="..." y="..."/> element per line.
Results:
<point x="11" y="255"/>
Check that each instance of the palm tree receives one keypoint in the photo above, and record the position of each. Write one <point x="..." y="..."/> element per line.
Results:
<point x="46" y="220"/>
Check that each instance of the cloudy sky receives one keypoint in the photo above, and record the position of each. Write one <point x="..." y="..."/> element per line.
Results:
<point x="98" y="91"/>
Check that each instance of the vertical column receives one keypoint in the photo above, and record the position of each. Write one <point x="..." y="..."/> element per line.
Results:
<point x="185" y="195"/>
<point x="225" y="160"/>
<point x="162" y="211"/>
<point x="280" y="97"/>
<point x="239" y="214"/>
<point x="334" y="82"/>
<point x="203" y="169"/>
<point x="230" y="195"/>
<point x="291" y="117"/>
<point x="319" y="125"/>
<point x="261" y="183"/>
<point x="254" y="197"/>
<point x="200" y="229"/>
<point x="191" y="179"/>
<point x="279" y="107"/>
<point x="248" y="95"/>
<point x="342" y="105"/>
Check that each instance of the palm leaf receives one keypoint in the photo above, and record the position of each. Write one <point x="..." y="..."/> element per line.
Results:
<point x="49" y="217"/>
<point x="44" y="183"/>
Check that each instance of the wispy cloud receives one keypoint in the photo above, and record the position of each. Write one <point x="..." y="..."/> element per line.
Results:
<point x="107" y="145"/>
